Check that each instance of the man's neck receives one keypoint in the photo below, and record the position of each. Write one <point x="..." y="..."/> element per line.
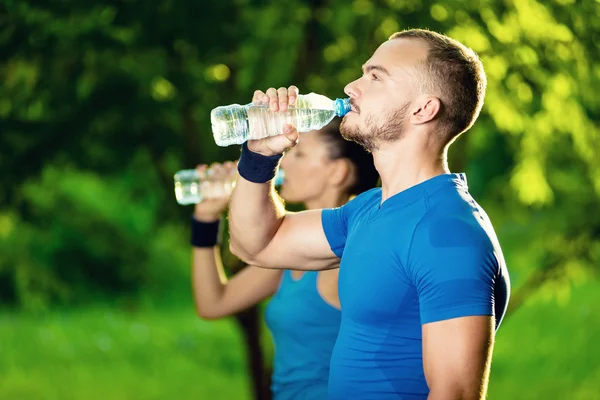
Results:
<point x="406" y="163"/>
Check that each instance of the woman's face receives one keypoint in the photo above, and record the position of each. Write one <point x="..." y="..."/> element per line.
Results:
<point x="306" y="169"/>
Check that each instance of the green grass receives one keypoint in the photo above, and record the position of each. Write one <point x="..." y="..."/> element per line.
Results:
<point x="549" y="349"/>
<point x="546" y="350"/>
<point x="104" y="354"/>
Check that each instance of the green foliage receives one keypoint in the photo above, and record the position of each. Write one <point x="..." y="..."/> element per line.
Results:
<point x="90" y="237"/>
<point x="101" y="103"/>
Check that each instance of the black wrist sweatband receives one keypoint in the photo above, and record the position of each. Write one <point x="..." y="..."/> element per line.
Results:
<point x="205" y="234"/>
<point x="255" y="167"/>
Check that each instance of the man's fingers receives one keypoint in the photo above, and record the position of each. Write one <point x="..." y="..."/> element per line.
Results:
<point x="292" y="95"/>
<point x="273" y="99"/>
<point x="258" y="97"/>
<point x="291" y="134"/>
<point x="283" y="98"/>
<point x="278" y="99"/>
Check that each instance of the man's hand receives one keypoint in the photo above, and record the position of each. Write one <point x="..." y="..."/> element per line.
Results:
<point x="278" y="100"/>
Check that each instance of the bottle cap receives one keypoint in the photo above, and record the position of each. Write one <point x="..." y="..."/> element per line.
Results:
<point x="279" y="177"/>
<point x="342" y="107"/>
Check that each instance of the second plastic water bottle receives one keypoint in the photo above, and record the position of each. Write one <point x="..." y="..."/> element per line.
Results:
<point x="235" y="124"/>
<point x="191" y="187"/>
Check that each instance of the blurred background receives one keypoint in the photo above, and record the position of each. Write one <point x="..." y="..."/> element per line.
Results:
<point x="101" y="102"/>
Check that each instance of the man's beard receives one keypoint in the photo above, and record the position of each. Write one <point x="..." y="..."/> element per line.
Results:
<point x="372" y="136"/>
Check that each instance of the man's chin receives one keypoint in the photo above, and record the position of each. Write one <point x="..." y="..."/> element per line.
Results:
<point x="350" y="131"/>
<point x="354" y="134"/>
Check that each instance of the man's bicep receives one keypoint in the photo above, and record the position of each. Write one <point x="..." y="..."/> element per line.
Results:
<point x="456" y="356"/>
<point x="300" y="243"/>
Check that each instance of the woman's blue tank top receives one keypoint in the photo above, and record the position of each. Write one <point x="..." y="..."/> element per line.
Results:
<point x="304" y="329"/>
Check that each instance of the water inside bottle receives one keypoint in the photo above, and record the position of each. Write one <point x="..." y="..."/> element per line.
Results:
<point x="235" y="124"/>
<point x="191" y="187"/>
<point x="264" y="123"/>
<point x="187" y="187"/>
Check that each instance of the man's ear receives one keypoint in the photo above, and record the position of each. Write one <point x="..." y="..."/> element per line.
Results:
<point x="426" y="109"/>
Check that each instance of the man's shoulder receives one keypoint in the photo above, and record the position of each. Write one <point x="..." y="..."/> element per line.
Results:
<point x="454" y="223"/>
<point x="365" y="199"/>
<point x="368" y="195"/>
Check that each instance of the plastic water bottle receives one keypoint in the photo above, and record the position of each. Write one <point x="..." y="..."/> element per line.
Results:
<point x="191" y="187"/>
<point x="235" y="124"/>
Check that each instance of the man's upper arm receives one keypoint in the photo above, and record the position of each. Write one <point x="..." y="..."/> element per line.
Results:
<point x="454" y="268"/>
<point x="456" y="357"/>
<point x="300" y="243"/>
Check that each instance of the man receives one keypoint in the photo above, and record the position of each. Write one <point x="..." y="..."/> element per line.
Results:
<point x="423" y="284"/>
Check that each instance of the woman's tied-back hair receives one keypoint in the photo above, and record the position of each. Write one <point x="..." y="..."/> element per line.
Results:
<point x="338" y="147"/>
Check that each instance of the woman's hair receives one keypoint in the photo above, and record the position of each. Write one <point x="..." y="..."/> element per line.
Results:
<point x="338" y="147"/>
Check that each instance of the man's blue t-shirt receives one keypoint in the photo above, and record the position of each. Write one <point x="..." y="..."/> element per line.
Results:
<point x="428" y="253"/>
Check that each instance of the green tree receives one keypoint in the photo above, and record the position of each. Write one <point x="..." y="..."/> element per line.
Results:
<point x="101" y="102"/>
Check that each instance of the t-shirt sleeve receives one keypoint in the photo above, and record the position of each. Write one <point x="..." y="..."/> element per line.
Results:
<point x="454" y="268"/>
<point x="335" y="225"/>
<point x="337" y="222"/>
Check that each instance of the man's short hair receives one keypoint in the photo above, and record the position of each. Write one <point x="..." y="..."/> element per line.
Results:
<point x="454" y="73"/>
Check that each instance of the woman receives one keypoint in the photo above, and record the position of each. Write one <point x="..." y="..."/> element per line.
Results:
<point x="322" y="171"/>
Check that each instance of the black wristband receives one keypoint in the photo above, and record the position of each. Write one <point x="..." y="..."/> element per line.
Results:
<point x="255" y="167"/>
<point x="205" y="234"/>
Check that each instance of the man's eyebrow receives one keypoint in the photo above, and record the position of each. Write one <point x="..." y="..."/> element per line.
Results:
<point x="369" y="68"/>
